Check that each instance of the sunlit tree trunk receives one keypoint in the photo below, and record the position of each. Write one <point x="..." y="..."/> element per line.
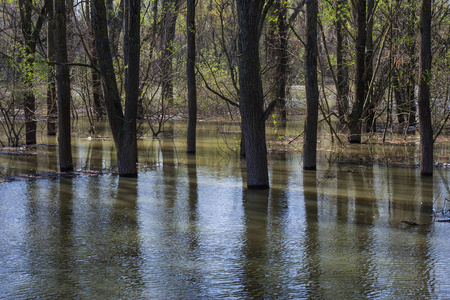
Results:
<point x="190" y="70"/>
<point x="426" y="130"/>
<point x="360" y="82"/>
<point x="311" y="87"/>
<point x="251" y="93"/>
<point x="63" y="88"/>
<point x="371" y="105"/>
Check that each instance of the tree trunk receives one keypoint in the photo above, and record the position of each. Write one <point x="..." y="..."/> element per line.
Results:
<point x="342" y="63"/>
<point x="369" y="95"/>
<point x="360" y="81"/>
<point x="170" y="15"/>
<point x="280" y="56"/>
<point x="251" y="93"/>
<point x="63" y="88"/>
<point x="190" y="71"/>
<point x="52" y="110"/>
<point x="123" y="126"/>
<point x="426" y="130"/>
<point x="30" y="49"/>
<point x="311" y="87"/>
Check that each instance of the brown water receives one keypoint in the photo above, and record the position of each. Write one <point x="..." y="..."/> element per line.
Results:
<point x="187" y="228"/>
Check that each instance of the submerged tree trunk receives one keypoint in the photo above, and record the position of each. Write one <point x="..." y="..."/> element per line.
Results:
<point x="190" y="70"/>
<point x="63" y="88"/>
<point x="123" y="126"/>
<point x="360" y="82"/>
<point x="426" y="130"/>
<point x="251" y="93"/>
<point x="311" y="87"/>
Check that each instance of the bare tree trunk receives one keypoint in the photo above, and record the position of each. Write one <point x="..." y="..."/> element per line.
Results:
<point x="170" y="14"/>
<point x="52" y="110"/>
<point x="342" y="62"/>
<point x="360" y="82"/>
<point x="251" y="93"/>
<point x="190" y="70"/>
<point x="311" y="86"/>
<point x="426" y="130"/>
<point x="123" y="126"/>
<point x="63" y="88"/>
<point x="280" y="55"/>
<point x="369" y="95"/>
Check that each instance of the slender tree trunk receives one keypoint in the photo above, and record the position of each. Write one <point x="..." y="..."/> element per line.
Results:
<point x="311" y="86"/>
<point x="280" y="56"/>
<point x="63" y="88"/>
<point x="190" y="70"/>
<point x="52" y="110"/>
<point x="371" y="105"/>
<point x="123" y="126"/>
<point x="426" y="130"/>
<point x="30" y="49"/>
<point x="170" y="15"/>
<point x="342" y="62"/>
<point x="360" y="81"/>
<point x="251" y="93"/>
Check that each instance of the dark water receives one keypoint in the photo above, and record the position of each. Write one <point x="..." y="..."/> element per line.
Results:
<point x="187" y="228"/>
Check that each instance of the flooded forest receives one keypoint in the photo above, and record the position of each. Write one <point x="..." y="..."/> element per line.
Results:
<point x="266" y="149"/>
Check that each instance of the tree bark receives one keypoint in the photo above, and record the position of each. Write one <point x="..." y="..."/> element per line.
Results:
<point x="190" y="71"/>
<point x="360" y="81"/>
<point x="63" y="88"/>
<point x="123" y="126"/>
<point x="52" y="110"/>
<point x="251" y="93"/>
<point x="426" y="130"/>
<point x="170" y="14"/>
<point x="342" y="63"/>
<point x="311" y="87"/>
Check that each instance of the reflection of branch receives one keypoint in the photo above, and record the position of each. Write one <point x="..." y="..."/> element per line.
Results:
<point x="215" y="92"/>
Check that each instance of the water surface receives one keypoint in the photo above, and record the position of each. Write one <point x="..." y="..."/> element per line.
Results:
<point x="188" y="229"/>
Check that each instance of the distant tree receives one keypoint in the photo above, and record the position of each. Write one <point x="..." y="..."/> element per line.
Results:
<point x="63" y="87"/>
<point x="123" y="125"/>
<point x="426" y="129"/>
<point x="342" y="78"/>
<point x="52" y="110"/>
<point x="190" y="73"/>
<point x="311" y="87"/>
<point x="31" y="31"/>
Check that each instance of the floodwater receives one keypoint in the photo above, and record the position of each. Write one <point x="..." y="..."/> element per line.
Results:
<point x="187" y="228"/>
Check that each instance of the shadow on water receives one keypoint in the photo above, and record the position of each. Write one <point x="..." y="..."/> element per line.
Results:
<point x="187" y="229"/>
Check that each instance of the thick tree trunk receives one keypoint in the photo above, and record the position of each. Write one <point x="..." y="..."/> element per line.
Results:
<point x="123" y="126"/>
<point x="311" y="86"/>
<point x="360" y="81"/>
<point x="63" y="88"/>
<point x="342" y="63"/>
<point x="52" y="110"/>
<point x="190" y="71"/>
<point x="251" y="94"/>
<point x="426" y="130"/>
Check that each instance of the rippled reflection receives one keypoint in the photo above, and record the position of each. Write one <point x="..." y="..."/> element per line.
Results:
<point x="187" y="229"/>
